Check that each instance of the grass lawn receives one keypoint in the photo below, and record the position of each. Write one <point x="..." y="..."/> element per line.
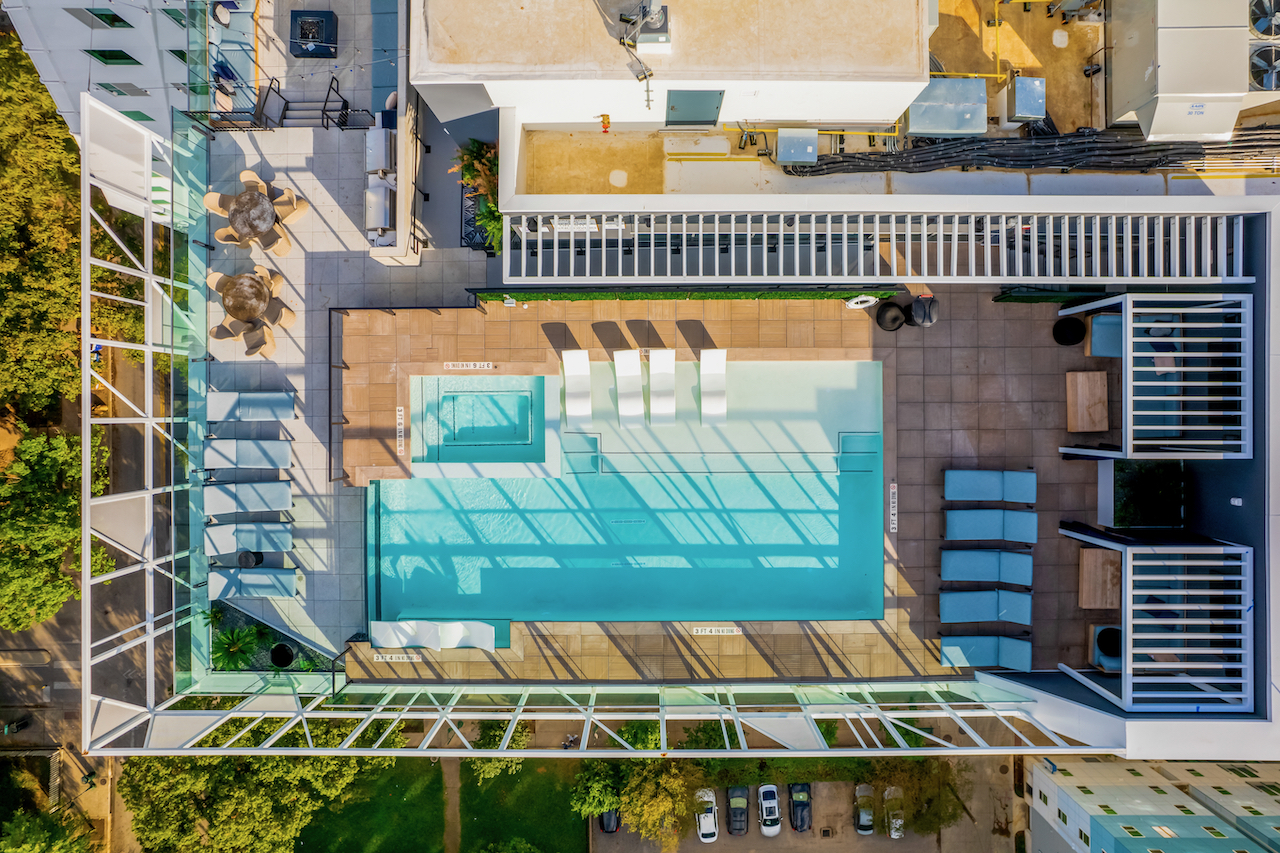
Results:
<point x="400" y="810"/>
<point x="533" y="805"/>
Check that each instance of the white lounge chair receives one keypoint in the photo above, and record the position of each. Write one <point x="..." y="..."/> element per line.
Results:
<point x="254" y="536"/>
<point x="626" y="369"/>
<point x="252" y="583"/>
<point x="250" y="405"/>
<point x="424" y="634"/>
<point x="662" y="386"/>
<point x="577" y="389"/>
<point x="225" y="498"/>
<point x="246" y="453"/>
<point x="711" y="387"/>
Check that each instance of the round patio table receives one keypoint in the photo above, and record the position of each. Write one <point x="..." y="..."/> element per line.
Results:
<point x="251" y="214"/>
<point x="245" y="297"/>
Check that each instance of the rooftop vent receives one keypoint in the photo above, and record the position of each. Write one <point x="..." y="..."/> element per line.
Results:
<point x="313" y="34"/>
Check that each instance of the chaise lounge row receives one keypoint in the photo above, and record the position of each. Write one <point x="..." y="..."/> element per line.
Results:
<point x="629" y="381"/>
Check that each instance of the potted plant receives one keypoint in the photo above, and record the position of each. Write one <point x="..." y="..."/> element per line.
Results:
<point x="233" y="650"/>
<point x="477" y="163"/>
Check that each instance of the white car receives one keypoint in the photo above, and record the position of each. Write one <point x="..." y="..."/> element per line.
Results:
<point x="708" y="817"/>
<point x="864" y="807"/>
<point x="770" y="813"/>
<point x="893" y="813"/>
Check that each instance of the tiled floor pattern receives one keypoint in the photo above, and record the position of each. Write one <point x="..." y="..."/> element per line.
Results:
<point x="380" y="349"/>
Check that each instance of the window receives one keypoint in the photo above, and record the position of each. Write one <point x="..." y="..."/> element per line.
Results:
<point x="181" y="54"/>
<point x="1107" y="810"/>
<point x="1091" y="759"/>
<point x="1044" y="798"/>
<point x="1084" y="837"/>
<point x="1065" y="772"/>
<point x="113" y="57"/>
<point x="1082" y="789"/>
<point x="1221" y="790"/>
<point x="1267" y="788"/>
<point x="1195" y="772"/>
<point x="178" y="16"/>
<point x="136" y="115"/>
<point x="1134" y="772"/>
<point x="1251" y="810"/>
<point x="122" y="89"/>
<point x="1242" y="772"/>
<point x="1164" y="832"/>
<point x="100" y="19"/>
<point x="1153" y="850"/>
<point x="1186" y="810"/>
<point x="1062" y="816"/>
<point x="1129" y="829"/>
<point x="1158" y="789"/>
<point x="1214" y="831"/>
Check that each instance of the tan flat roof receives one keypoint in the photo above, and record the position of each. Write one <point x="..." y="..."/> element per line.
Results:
<point x="797" y="39"/>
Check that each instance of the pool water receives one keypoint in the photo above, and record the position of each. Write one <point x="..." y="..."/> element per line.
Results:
<point x="477" y="419"/>
<point x="630" y="547"/>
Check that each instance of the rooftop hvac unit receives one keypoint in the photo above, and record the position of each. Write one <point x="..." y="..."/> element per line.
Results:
<point x="1264" y="68"/>
<point x="1264" y="18"/>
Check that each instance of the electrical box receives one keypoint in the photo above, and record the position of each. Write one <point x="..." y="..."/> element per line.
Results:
<point x="797" y="146"/>
<point x="949" y="107"/>
<point x="655" y="36"/>
<point x="1026" y="99"/>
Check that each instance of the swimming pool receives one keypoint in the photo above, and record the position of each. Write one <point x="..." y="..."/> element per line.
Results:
<point x="625" y="542"/>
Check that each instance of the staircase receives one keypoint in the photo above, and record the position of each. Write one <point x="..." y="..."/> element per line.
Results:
<point x="278" y="110"/>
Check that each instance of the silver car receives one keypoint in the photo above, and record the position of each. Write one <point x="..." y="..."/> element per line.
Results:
<point x="864" y="809"/>
<point x="893" y="812"/>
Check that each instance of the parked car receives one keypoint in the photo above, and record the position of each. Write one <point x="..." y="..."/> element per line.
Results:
<point x="893" y="813"/>
<point x="770" y="815"/>
<point x="864" y="809"/>
<point x="709" y="817"/>
<point x="609" y="821"/>
<point x="800" y="805"/>
<point x="737" y="799"/>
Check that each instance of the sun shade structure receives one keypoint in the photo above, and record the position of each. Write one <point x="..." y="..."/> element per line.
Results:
<point x="1187" y="373"/>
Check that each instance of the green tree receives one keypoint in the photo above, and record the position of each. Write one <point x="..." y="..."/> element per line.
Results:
<point x="641" y="734"/>
<point x="41" y="832"/>
<point x="658" y="802"/>
<point x="490" y="737"/>
<point x="237" y="804"/>
<point x="40" y="526"/>
<point x="39" y="239"/>
<point x="709" y="735"/>
<point x="233" y="650"/>
<point x="597" y="788"/>
<point x="511" y="845"/>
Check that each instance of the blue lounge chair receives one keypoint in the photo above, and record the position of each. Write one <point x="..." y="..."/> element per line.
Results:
<point x="986" y="606"/>
<point x="1106" y="336"/>
<point x="986" y="651"/>
<point x="255" y="536"/>
<point x="247" y="453"/>
<point x="226" y="498"/>
<point x="1013" y="567"/>
<point x="1018" y="487"/>
<point x="250" y="406"/>
<point x="252" y="583"/>
<point x="1007" y="524"/>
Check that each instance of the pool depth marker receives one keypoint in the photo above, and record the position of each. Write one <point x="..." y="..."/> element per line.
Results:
<point x="893" y="507"/>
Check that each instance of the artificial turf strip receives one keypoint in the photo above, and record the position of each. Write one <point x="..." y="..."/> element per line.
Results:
<point x="497" y="295"/>
<point x="399" y="810"/>
<point x="532" y="804"/>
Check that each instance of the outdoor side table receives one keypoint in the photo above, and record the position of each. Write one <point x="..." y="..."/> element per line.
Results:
<point x="245" y="297"/>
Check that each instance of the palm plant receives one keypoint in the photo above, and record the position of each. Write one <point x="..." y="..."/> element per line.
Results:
<point x="233" y="650"/>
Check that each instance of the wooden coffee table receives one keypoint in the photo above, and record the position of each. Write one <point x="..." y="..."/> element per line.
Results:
<point x="1087" y="401"/>
<point x="1100" y="571"/>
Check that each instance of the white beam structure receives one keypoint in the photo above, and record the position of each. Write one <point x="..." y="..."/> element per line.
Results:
<point x="836" y="246"/>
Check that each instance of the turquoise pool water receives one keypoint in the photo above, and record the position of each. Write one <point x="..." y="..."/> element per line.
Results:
<point x="477" y="419"/>
<point x="630" y="547"/>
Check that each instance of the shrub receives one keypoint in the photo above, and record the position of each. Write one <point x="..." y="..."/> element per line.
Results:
<point x="233" y="650"/>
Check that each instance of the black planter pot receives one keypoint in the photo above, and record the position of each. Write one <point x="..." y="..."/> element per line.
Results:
<point x="282" y="655"/>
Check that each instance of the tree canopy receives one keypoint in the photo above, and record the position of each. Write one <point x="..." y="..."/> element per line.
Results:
<point x="41" y="832"/>
<point x="658" y="801"/>
<point x="490" y="737"/>
<point x="597" y="788"/>
<point x="236" y="804"/>
<point x="40" y="526"/>
<point x="39" y="239"/>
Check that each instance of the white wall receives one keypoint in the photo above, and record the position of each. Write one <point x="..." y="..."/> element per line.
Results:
<point x="56" y="43"/>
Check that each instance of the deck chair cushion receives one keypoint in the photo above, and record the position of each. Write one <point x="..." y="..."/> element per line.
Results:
<point x="983" y="566"/>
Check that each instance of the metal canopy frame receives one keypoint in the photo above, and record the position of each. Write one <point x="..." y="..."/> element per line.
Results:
<point x="1188" y="627"/>
<point x="1205" y="342"/>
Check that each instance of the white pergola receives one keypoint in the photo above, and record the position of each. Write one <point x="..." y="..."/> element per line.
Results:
<point x="1187" y="620"/>
<point x="1187" y="374"/>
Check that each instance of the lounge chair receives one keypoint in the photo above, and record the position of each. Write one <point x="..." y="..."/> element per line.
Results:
<point x="987" y="651"/>
<point x="1012" y="567"/>
<point x="662" y="386"/>
<point x="1007" y="524"/>
<point x="274" y="279"/>
<point x="711" y="387"/>
<point x="230" y="329"/>
<point x="217" y="203"/>
<point x="423" y="634"/>
<point x="250" y="406"/>
<point x="276" y="241"/>
<point x="247" y="453"/>
<point x="290" y="208"/>
<point x="992" y="605"/>
<point x="1018" y="487"/>
<point x="252" y="583"/>
<point x="1105" y="336"/>
<point x="278" y="314"/>
<point x="226" y="498"/>
<point x="250" y="536"/>
<point x="577" y="389"/>
<point x="253" y="183"/>
<point x="228" y="237"/>
<point x="626" y="369"/>
<point x="259" y="340"/>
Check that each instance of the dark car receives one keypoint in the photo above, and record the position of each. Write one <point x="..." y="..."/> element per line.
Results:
<point x="737" y="817"/>
<point x="609" y="821"/>
<point x="800" y="803"/>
